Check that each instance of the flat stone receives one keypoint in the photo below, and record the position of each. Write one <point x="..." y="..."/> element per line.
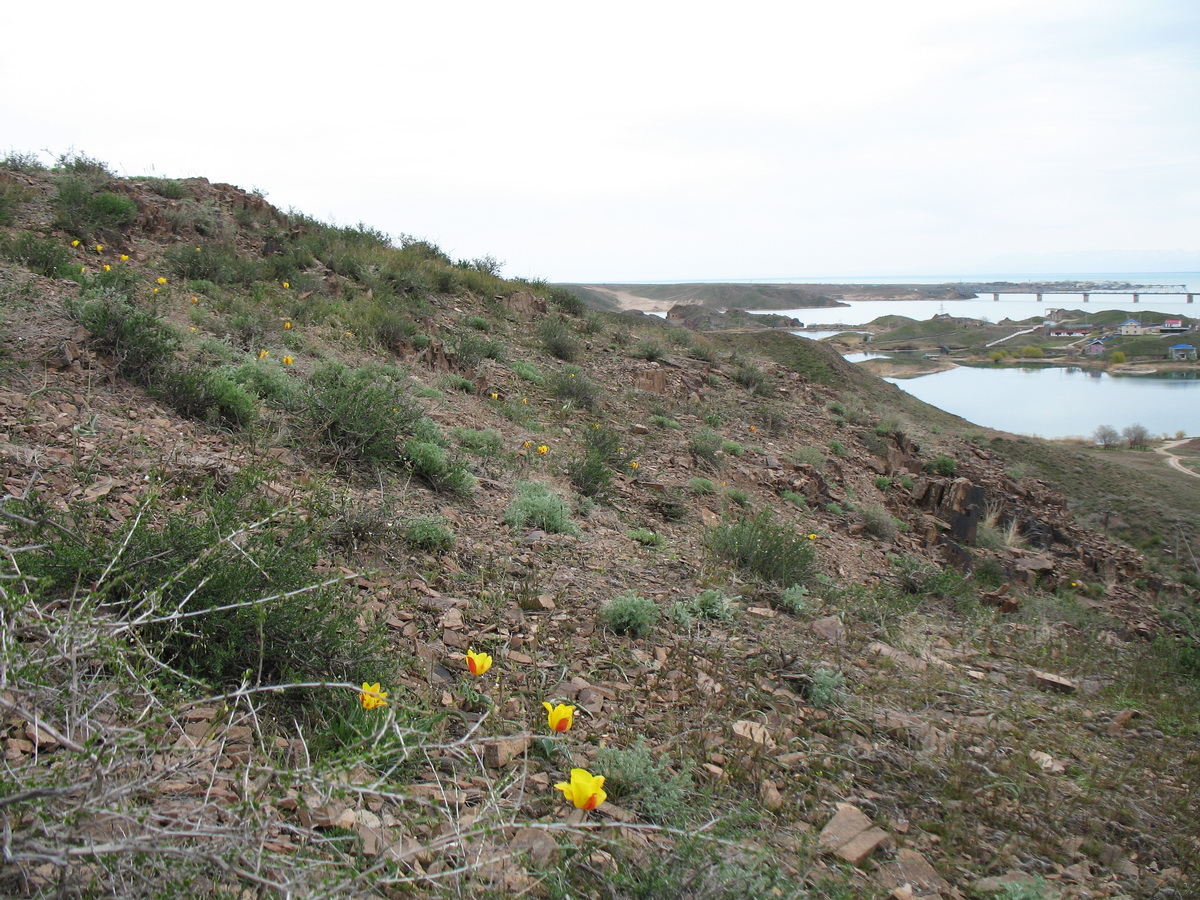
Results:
<point x="537" y="844"/>
<point x="830" y="628"/>
<point x="912" y="869"/>
<point x="847" y="824"/>
<point x="500" y="752"/>
<point x="1051" y="682"/>
<point x="753" y="733"/>
<point x="862" y="845"/>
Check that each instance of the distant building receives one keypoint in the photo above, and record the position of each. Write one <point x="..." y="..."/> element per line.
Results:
<point x="1094" y="348"/>
<point x="1181" y="351"/>
<point x="1068" y="331"/>
<point x="1132" y="327"/>
<point x="1173" y="326"/>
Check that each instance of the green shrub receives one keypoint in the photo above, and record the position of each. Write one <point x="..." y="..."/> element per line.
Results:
<point x="793" y="599"/>
<point x="797" y="500"/>
<point x="651" y="351"/>
<point x="732" y="448"/>
<point x="701" y="486"/>
<point x="825" y="688"/>
<point x="457" y="383"/>
<point x="751" y="377"/>
<point x="837" y="448"/>
<point x="663" y="422"/>
<point x="705" y="445"/>
<point x="574" y="387"/>
<point x="557" y="339"/>
<point x="209" y="395"/>
<point x="878" y="521"/>
<point x="431" y="462"/>
<point x="942" y="465"/>
<point x="882" y="482"/>
<point x="139" y="342"/>
<point x="219" y="587"/>
<point x="10" y="197"/>
<point x="43" y="256"/>
<point x="269" y="382"/>
<point x="568" y="302"/>
<point x="359" y="415"/>
<point x="646" y="537"/>
<point x="761" y="548"/>
<point x="88" y="213"/>
<point x="171" y="188"/>
<point x="526" y="371"/>
<point x="539" y="505"/>
<point x="481" y="442"/>
<point x="630" y="614"/>
<point x="590" y="474"/>
<point x="837" y="408"/>
<point x="25" y="163"/>
<point x="219" y="263"/>
<point x="809" y="456"/>
<point x="641" y="779"/>
<point x="469" y="349"/>
<point x="738" y="496"/>
<point x="429" y="533"/>
<point x="714" y="605"/>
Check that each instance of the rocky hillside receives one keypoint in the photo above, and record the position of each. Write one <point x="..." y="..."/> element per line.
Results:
<point x="262" y="472"/>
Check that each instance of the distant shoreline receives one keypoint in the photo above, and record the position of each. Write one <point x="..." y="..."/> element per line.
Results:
<point x="659" y="298"/>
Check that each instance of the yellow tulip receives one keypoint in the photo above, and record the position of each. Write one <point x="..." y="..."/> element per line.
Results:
<point x="585" y="790"/>
<point x="124" y="257"/>
<point x="372" y="696"/>
<point x="161" y="280"/>
<point x="286" y="285"/>
<point x="527" y="444"/>
<point x="543" y="449"/>
<point x="99" y="248"/>
<point x="524" y="401"/>
<point x="263" y="354"/>
<point x="288" y="360"/>
<point x="287" y="326"/>
<point x="560" y="717"/>
<point x="349" y="334"/>
<point x="74" y="243"/>
<point x="812" y="537"/>
<point x="633" y="465"/>
<point x="495" y="396"/>
<point x="107" y="268"/>
<point x="195" y="299"/>
<point x="478" y="663"/>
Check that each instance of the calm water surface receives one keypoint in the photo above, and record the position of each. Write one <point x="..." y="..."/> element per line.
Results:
<point x="1058" y="401"/>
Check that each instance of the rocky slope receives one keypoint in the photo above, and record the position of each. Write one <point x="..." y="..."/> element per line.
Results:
<point x="962" y="692"/>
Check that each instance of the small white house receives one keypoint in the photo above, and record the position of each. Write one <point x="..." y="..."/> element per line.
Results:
<point x="1132" y="327"/>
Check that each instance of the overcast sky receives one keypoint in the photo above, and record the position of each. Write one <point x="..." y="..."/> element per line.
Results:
<point x="638" y="141"/>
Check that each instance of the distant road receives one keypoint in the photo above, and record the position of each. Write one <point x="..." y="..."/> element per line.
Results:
<point x="1174" y="461"/>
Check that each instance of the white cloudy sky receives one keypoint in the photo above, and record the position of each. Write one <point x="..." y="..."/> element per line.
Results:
<point x="625" y="141"/>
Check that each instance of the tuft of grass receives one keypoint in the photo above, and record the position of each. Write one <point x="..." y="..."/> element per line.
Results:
<point x="642" y="779"/>
<point x="878" y="521"/>
<point x="574" y="387"/>
<point x="558" y="340"/>
<point x="702" y="486"/>
<point x="429" y="533"/>
<point x="630" y="613"/>
<point x="527" y="371"/>
<point x="942" y="465"/>
<point x="646" y="537"/>
<point x="705" y="447"/>
<point x="764" y="549"/>
<point x="539" y="505"/>
<point x="88" y="213"/>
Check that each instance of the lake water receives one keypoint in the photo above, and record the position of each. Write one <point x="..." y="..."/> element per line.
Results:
<point x="1062" y="401"/>
<point x="1052" y="402"/>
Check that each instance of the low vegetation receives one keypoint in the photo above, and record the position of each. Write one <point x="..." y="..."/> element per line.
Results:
<point x="304" y="529"/>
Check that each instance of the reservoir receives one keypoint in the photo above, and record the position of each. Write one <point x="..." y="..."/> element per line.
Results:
<point x="1062" y="401"/>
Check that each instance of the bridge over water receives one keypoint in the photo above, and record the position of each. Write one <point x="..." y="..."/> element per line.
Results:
<point x="1175" y="290"/>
